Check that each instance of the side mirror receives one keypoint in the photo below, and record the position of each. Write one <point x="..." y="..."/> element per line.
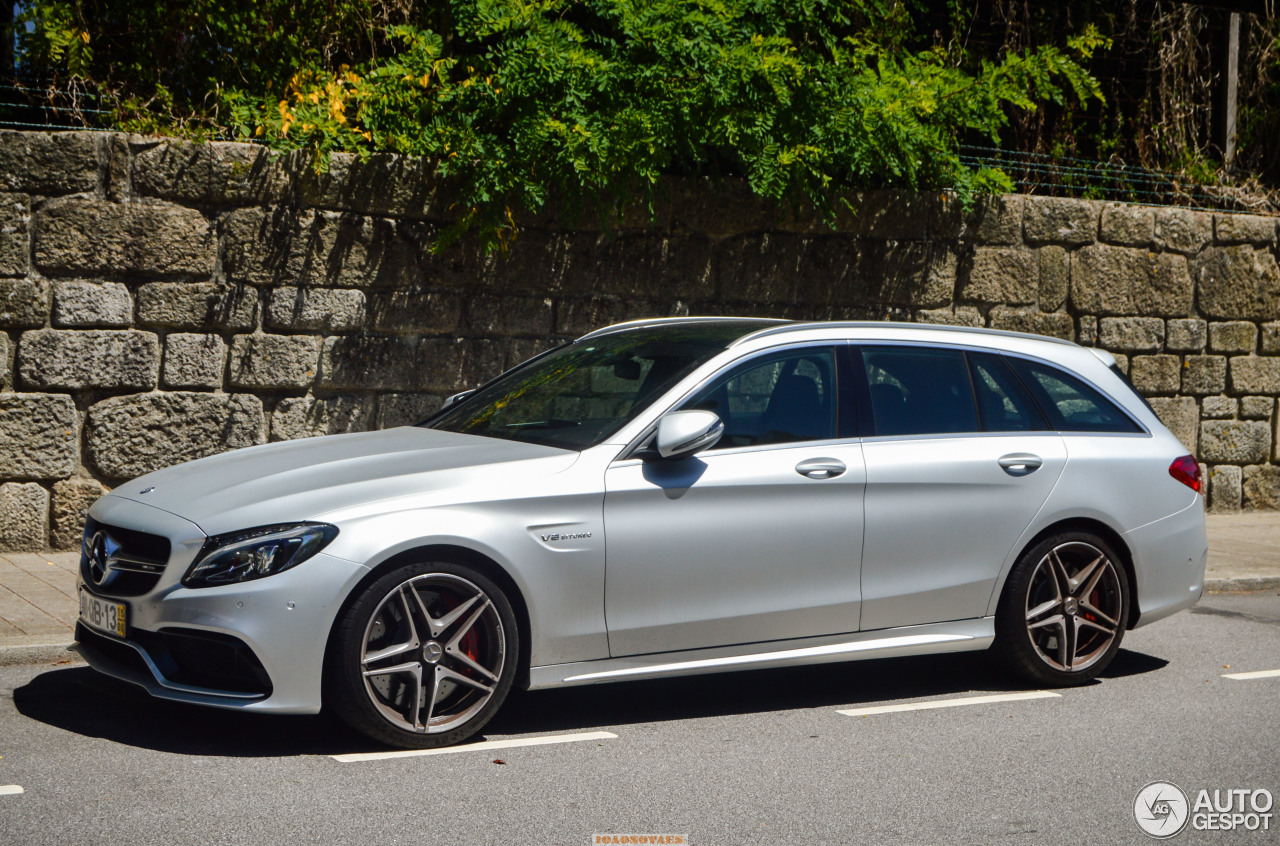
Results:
<point x="684" y="433"/>
<point x="461" y="395"/>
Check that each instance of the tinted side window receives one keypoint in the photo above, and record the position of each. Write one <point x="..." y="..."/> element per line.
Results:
<point x="1003" y="403"/>
<point x="919" y="391"/>
<point x="1071" y="405"/>
<point x="781" y="398"/>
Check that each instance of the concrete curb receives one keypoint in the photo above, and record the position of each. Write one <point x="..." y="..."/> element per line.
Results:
<point x="37" y="650"/>
<point x="1242" y="583"/>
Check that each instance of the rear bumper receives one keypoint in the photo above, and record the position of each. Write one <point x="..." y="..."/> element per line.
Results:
<point x="1169" y="559"/>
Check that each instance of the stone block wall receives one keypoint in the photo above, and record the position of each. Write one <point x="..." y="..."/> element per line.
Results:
<point x="162" y="301"/>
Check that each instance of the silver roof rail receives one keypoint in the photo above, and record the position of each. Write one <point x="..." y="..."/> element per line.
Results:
<point x="668" y="321"/>
<point x="890" y="324"/>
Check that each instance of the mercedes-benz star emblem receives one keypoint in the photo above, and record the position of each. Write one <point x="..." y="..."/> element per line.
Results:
<point x="101" y="550"/>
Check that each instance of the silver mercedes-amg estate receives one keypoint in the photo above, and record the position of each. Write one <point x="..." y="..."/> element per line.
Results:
<point x="654" y="499"/>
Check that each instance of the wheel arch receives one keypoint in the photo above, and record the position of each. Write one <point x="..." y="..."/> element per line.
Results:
<point x="1108" y="534"/>
<point x="457" y="555"/>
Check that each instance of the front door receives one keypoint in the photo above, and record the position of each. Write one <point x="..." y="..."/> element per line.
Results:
<point x="757" y="539"/>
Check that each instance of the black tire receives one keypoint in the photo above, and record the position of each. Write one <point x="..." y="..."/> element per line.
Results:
<point x="459" y="672"/>
<point x="1063" y="612"/>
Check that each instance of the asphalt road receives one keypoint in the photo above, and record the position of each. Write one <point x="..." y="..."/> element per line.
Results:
<point x="759" y="757"/>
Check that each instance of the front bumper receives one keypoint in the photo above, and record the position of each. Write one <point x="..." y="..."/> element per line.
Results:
<point x="272" y="632"/>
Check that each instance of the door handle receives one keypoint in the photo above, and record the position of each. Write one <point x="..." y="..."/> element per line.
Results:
<point x="820" y="468"/>
<point x="1020" y="463"/>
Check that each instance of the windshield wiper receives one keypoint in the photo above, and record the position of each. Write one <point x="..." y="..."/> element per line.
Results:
<point x="553" y="423"/>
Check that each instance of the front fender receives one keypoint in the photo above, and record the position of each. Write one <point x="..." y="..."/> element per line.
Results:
<point x="561" y="580"/>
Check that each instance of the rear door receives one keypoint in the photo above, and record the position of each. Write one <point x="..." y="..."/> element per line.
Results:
<point x="960" y="462"/>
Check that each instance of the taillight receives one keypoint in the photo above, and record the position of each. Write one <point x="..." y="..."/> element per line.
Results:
<point x="1187" y="471"/>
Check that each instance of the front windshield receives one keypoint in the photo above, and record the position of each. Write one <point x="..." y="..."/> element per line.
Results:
<point x="578" y="395"/>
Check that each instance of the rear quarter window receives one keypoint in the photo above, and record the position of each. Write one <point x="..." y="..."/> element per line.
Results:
<point x="1069" y="402"/>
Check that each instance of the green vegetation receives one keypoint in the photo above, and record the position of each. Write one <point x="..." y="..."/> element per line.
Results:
<point x="589" y="101"/>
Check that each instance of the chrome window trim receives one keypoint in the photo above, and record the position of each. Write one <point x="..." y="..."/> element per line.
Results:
<point x="626" y="453"/>
<point x="625" y="460"/>
<point x="937" y="436"/>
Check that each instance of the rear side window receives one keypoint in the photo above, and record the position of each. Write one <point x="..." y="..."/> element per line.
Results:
<point x="919" y="391"/>
<point x="1003" y="403"/>
<point x="1070" y="404"/>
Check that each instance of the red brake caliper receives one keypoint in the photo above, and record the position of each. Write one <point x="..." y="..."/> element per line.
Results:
<point x="470" y="642"/>
<point x="1093" y="600"/>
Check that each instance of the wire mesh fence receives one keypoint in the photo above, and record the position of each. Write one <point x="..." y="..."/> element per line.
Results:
<point x="33" y="107"/>
<point x="1043" y="173"/>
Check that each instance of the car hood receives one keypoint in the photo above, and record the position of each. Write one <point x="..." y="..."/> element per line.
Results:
<point x="304" y="479"/>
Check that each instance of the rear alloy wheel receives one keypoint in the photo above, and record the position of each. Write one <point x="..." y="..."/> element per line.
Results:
<point x="424" y="657"/>
<point x="1062" y="616"/>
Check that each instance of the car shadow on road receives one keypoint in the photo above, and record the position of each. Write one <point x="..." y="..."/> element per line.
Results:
<point x="84" y="702"/>
<point x="839" y="685"/>
<point x="1130" y="663"/>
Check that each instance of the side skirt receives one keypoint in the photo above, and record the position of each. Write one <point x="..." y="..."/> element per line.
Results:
<point x="957" y="636"/>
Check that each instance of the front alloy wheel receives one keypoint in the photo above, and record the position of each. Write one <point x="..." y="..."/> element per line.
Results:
<point x="1063" y="612"/>
<point x="424" y="657"/>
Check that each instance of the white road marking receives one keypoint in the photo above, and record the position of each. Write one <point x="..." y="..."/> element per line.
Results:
<point x="7" y="789"/>
<point x="948" y="703"/>
<point x="477" y="747"/>
<point x="1256" y="674"/>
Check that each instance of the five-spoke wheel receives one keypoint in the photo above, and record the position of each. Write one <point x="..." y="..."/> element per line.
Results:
<point x="1062" y="615"/>
<point x="424" y="656"/>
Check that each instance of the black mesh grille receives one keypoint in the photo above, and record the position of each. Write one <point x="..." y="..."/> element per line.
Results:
<point x="205" y="659"/>
<point x="213" y="661"/>
<point x="111" y="650"/>
<point x="137" y="559"/>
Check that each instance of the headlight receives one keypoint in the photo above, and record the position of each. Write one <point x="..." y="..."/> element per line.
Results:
<point x="255" y="553"/>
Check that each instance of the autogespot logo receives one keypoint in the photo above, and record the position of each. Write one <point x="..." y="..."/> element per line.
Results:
<point x="1161" y="809"/>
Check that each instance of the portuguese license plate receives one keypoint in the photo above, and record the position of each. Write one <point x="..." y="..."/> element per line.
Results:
<point x="98" y="613"/>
